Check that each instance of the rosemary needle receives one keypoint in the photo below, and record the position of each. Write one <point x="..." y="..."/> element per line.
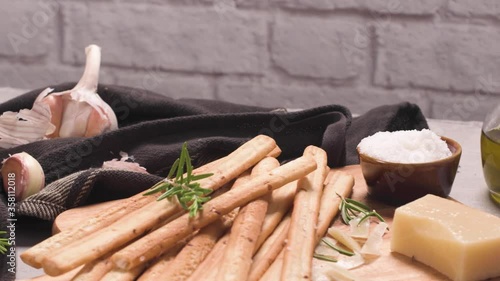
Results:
<point x="350" y="208"/>
<point x="324" y="257"/>
<point x="181" y="183"/>
<point x="4" y="243"/>
<point x="342" y="251"/>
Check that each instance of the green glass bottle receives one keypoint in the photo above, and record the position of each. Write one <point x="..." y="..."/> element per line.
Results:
<point x="490" y="152"/>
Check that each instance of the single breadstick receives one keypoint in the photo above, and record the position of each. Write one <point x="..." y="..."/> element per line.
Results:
<point x="138" y="273"/>
<point x="95" y="269"/>
<point x="297" y="262"/>
<point x="237" y="257"/>
<point x="207" y="269"/>
<point x="268" y="252"/>
<point x="163" y="238"/>
<point x="124" y="275"/>
<point x="65" y="277"/>
<point x="144" y="219"/>
<point x="338" y="182"/>
<point x="275" y="153"/>
<point x="273" y="273"/>
<point x="280" y="202"/>
<point x="154" y="271"/>
<point x="162" y="262"/>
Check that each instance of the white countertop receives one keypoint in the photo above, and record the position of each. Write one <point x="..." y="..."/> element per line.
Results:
<point x="469" y="186"/>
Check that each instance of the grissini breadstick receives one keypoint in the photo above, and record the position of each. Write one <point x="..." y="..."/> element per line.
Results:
<point x="152" y="273"/>
<point x="297" y="261"/>
<point x="207" y="269"/>
<point x="163" y="238"/>
<point x="144" y="219"/>
<point x="337" y="182"/>
<point x="269" y="250"/>
<point x="245" y="231"/>
<point x="273" y="273"/>
<point x="124" y="275"/>
<point x="65" y="277"/>
<point x="280" y="202"/>
<point x="95" y="269"/>
<point x="275" y="153"/>
<point x="194" y="252"/>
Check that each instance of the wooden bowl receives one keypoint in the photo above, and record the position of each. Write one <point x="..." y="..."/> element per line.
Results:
<point x="400" y="183"/>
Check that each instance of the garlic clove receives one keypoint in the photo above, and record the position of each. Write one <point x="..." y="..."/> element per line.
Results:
<point x="97" y="123"/>
<point x="55" y="104"/>
<point x="74" y="119"/>
<point x="22" y="175"/>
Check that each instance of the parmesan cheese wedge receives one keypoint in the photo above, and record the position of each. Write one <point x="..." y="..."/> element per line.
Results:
<point x="458" y="241"/>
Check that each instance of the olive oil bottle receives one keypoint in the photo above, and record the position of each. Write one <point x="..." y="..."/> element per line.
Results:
<point x="490" y="154"/>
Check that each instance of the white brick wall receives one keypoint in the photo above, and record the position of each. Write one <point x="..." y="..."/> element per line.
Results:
<point x="441" y="54"/>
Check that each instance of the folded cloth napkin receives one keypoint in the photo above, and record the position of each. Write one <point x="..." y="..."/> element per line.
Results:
<point x="153" y="127"/>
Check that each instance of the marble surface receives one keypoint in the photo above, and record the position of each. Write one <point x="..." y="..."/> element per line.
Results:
<point x="469" y="186"/>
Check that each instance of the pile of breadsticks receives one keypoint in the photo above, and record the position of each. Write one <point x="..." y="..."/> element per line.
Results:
<point x="262" y="223"/>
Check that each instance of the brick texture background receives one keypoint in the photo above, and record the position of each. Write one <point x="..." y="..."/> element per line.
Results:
<point x="443" y="55"/>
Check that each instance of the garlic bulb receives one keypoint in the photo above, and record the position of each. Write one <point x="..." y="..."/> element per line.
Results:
<point x="22" y="176"/>
<point x="79" y="112"/>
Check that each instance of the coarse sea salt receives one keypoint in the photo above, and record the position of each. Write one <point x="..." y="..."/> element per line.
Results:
<point x="405" y="146"/>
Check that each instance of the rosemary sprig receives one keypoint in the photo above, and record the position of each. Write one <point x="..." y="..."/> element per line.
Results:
<point x="330" y="258"/>
<point x="181" y="183"/>
<point x="350" y="209"/>
<point x="325" y="257"/>
<point x="340" y="250"/>
<point x="4" y="243"/>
